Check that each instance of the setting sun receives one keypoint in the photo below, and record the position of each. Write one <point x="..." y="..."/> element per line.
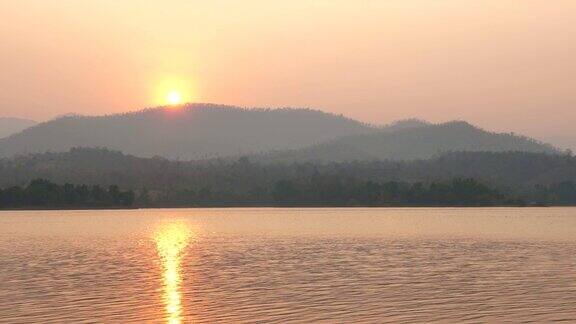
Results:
<point x="174" y="97"/>
<point x="174" y="91"/>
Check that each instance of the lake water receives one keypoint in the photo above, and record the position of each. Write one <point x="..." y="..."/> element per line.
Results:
<point x="288" y="265"/>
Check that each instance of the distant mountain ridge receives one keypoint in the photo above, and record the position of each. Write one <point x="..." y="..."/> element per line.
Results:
<point x="422" y="141"/>
<point x="405" y="124"/>
<point x="192" y="131"/>
<point x="206" y="131"/>
<point x="9" y="126"/>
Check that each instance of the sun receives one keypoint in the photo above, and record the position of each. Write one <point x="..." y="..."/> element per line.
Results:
<point x="174" y="97"/>
<point x="174" y="92"/>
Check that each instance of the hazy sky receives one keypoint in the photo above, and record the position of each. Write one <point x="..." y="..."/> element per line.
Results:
<point x="502" y="64"/>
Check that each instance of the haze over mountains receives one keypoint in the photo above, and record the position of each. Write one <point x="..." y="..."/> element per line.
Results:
<point x="190" y="132"/>
<point x="200" y="131"/>
<point x="416" y="142"/>
<point x="9" y="126"/>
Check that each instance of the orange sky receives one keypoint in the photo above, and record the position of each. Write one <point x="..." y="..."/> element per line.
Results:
<point x="502" y="64"/>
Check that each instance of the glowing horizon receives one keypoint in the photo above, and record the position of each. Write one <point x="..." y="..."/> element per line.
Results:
<point x="503" y="65"/>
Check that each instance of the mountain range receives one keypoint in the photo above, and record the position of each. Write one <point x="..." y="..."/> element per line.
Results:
<point x="204" y="131"/>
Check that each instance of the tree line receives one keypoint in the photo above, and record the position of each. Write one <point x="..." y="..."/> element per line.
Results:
<point x="42" y="193"/>
<point x="456" y="192"/>
<point x="321" y="191"/>
<point x="534" y="178"/>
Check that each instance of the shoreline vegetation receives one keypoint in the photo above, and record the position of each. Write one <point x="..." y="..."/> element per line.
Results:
<point x="26" y="209"/>
<point x="41" y="194"/>
<point x="88" y="178"/>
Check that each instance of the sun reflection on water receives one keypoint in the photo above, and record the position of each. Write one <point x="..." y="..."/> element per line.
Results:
<point x="171" y="241"/>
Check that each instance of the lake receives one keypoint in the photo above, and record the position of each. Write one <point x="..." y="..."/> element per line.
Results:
<point x="289" y="265"/>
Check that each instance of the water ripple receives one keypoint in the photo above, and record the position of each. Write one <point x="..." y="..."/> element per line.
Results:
<point x="181" y="274"/>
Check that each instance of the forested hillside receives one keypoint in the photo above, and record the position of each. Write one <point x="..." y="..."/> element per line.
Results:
<point x="533" y="177"/>
<point x="421" y="141"/>
<point x="193" y="131"/>
<point x="204" y="131"/>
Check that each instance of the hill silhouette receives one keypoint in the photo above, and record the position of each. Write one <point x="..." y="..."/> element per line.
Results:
<point x="205" y="131"/>
<point x="404" y="124"/>
<point x="417" y="141"/>
<point x="9" y="126"/>
<point x="192" y="131"/>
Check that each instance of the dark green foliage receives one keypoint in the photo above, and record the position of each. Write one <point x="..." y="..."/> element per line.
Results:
<point x="334" y="191"/>
<point x="285" y="191"/>
<point x="458" y="192"/>
<point x="563" y="193"/>
<point x="532" y="177"/>
<point x="42" y="193"/>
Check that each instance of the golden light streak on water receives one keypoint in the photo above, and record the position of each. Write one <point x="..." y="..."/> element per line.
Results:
<point x="171" y="240"/>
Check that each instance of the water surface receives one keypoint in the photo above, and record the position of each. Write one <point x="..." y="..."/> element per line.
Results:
<point x="289" y="265"/>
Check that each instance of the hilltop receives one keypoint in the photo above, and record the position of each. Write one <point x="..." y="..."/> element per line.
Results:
<point x="9" y="126"/>
<point x="417" y="141"/>
<point x="192" y="131"/>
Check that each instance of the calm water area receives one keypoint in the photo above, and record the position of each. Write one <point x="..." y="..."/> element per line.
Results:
<point x="356" y="265"/>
